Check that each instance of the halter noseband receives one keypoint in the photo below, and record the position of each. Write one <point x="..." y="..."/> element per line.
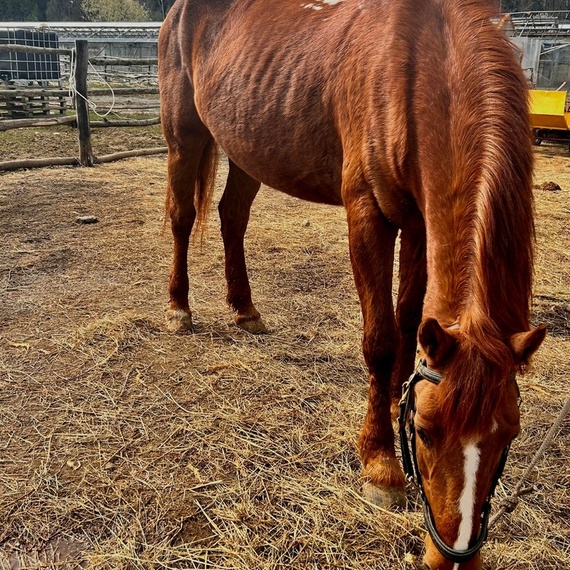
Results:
<point x="413" y="475"/>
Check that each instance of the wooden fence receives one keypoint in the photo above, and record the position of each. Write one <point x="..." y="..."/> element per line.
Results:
<point x="80" y="65"/>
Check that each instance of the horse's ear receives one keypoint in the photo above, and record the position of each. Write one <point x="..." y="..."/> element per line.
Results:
<point x="435" y="340"/>
<point x="525" y="344"/>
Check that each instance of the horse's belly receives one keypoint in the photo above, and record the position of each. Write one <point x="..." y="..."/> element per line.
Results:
<point x="283" y="154"/>
<point x="285" y="168"/>
<point x="265" y="105"/>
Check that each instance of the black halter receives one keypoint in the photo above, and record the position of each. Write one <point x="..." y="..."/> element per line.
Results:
<point x="413" y="475"/>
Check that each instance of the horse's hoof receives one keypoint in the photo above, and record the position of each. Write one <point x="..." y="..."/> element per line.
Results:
<point x="178" y="321"/>
<point x="251" y="325"/>
<point x="387" y="497"/>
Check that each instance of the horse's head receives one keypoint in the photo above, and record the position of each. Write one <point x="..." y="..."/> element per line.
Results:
<point x="461" y="412"/>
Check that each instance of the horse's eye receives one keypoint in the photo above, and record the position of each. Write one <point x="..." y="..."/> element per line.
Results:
<point x="424" y="436"/>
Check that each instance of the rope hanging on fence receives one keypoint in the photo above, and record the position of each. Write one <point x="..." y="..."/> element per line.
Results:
<point x="509" y="504"/>
<point x="79" y="63"/>
<point x="74" y="93"/>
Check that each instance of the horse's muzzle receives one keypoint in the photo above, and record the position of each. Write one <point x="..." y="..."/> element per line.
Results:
<point x="434" y="560"/>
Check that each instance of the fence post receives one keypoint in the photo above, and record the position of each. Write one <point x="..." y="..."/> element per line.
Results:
<point x="82" y="109"/>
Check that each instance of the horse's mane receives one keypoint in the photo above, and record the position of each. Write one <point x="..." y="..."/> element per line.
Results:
<point x="496" y="153"/>
<point x="492" y="159"/>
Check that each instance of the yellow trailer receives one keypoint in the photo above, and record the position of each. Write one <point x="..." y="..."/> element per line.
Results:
<point x="548" y="117"/>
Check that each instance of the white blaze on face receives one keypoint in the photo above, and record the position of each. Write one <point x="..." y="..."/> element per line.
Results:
<point x="471" y="455"/>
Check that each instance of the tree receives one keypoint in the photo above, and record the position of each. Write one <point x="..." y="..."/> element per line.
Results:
<point x="114" y="11"/>
<point x="157" y="9"/>
<point x="19" y="10"/>
<point x="42" y="10"/>
<point x="63" y="11"/>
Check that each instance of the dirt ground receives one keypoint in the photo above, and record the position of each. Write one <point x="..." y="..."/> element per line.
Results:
<point x="62" y="141"/>
<point x="123" y="446"/>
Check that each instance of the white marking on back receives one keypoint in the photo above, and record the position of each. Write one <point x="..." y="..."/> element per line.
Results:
<point x="318" y="4"/>
<point x="494" y="426"/>
<point x="471" y="454"/>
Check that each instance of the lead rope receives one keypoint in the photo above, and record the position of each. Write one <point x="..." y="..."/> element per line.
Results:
<point x="72" y="90"/>
<point x="509" y="504"/>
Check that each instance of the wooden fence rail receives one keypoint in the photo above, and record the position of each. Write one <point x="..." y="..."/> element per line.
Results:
<point x="81" y="97"/>
<point x="32" y="91"/>
<point x="122" y="62"/>
<point x="119" y="91"/>
<point x="127" y="123"/>
<point x="9" y="124"/>
<point x="33" y="49"/>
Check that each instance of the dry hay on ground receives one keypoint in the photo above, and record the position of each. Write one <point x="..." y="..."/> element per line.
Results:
<point x="127" y="447"/>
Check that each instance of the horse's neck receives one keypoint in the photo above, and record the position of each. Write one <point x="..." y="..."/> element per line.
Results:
<point x="479" y="267"/>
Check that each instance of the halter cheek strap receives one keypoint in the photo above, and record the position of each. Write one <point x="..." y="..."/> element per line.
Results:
<point x="410" y="465"/>
<point x="450" y="553"/>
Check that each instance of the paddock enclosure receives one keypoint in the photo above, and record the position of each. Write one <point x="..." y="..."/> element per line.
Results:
<point x="124" y="446"/>
<point x="32" y="89"/>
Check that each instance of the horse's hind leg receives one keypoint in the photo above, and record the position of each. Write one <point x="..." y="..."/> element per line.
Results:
<point x="186" y="158"/>
<point x="371" y="240"/>
<point x="234" y="210"/>
<point x="411" y="294"/>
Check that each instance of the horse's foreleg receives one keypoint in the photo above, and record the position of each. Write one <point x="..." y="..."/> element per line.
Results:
<point x="182" y="172"/>
<point x="411" y="294"/>
<point x="234" y="210"/>
<point x="371" y="239"/>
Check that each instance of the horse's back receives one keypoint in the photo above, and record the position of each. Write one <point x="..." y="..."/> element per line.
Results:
<point x="281" y="86"/>
<point x="265" y="88"/>
<point x="298" y="93"/>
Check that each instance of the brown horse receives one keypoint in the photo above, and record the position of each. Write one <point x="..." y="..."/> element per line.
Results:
<point x="413" y="116"/>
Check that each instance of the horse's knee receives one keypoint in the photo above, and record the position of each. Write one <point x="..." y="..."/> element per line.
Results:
<point x="380" y="351"/>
